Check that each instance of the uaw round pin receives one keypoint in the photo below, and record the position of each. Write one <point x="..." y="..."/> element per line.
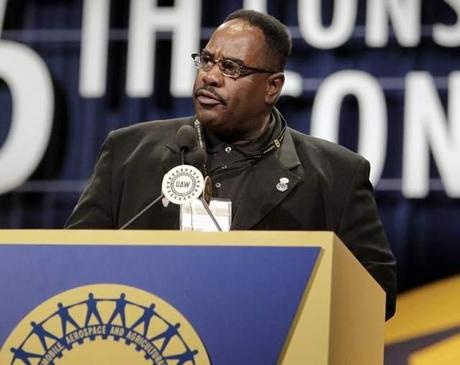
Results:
<point x="283" y="184"/>
<point x="104" y="324"/>
<point x="182" y="184"/>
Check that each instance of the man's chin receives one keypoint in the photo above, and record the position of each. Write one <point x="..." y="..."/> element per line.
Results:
<point x="214" y="125"/>
<point x="220" y="130"/>
<point x="209" y="116"/>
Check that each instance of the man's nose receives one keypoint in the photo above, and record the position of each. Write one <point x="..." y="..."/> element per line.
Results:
<point x="213" y="76"/>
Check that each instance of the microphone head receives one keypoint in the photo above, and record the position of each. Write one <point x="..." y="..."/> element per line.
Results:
<point x="186" y="137"/>
<point x="196" y="158"/>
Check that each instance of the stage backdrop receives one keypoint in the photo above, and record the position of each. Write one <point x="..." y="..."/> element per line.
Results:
<point x="378" y="76"/>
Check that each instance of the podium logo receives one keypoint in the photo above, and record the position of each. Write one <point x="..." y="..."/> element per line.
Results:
<point x="104" y="324"/>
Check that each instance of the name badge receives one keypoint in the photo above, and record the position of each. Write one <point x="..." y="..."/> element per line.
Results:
<point x="194" y="217"/>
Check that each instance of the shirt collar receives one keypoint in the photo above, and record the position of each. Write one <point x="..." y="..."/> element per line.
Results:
<point x="214" y="144"/>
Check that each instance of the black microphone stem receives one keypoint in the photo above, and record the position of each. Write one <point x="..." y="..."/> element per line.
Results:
<point x="142" y="211"/>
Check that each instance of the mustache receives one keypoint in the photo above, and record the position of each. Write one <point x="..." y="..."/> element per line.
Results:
<point x="211" y="90"/>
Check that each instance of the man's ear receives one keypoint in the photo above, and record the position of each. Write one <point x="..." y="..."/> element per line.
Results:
<point x="275" y="83"/>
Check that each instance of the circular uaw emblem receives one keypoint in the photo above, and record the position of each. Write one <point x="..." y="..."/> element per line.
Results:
<point x="104" y="324"/>
<point x="182" y="184"/>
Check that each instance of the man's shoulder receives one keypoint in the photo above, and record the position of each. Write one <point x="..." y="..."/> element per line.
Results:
<point x="319" y="149"/>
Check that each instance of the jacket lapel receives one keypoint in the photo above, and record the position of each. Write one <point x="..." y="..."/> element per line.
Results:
<point x="265" y="190"/>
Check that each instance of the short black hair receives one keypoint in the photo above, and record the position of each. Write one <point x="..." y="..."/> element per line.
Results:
<point x="277" y="37"/>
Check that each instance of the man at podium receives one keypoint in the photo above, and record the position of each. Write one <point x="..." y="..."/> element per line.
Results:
<point x="259" y="173"/>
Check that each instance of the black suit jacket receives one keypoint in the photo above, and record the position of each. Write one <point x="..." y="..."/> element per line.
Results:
<point x="328" y="189"/>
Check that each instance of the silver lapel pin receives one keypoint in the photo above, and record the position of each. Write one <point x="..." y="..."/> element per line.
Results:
<point x="283" y="184"/>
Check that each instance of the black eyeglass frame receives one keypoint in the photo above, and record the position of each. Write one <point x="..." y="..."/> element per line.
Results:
<point x="242" y="71"/>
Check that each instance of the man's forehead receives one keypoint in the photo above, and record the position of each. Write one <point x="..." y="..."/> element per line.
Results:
<point x="235" y="25"/>
<point x="236" y="35"/>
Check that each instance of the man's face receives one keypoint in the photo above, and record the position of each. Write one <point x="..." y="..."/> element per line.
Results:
<point x="234" y="109"/>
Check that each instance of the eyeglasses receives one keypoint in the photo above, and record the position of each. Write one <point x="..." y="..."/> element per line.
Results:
<point x="230" y="68"/>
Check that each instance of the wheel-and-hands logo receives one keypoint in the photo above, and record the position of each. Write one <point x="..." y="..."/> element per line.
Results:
<point x="104" y="324"/>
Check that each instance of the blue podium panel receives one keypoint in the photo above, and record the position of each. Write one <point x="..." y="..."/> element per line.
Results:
<point x="241" y="301"/>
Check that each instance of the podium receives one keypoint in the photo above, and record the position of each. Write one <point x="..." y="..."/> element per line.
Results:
<point x="164" y="297"/>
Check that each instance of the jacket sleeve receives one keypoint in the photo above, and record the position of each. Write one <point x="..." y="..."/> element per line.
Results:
<point x="94" y="208"/>
<point x="361" y="229"/>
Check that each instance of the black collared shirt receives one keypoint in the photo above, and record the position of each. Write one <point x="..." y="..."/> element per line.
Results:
<point x="229" y="164"/>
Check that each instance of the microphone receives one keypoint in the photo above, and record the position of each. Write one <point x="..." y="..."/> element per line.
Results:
<point x="185" y="140"/>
